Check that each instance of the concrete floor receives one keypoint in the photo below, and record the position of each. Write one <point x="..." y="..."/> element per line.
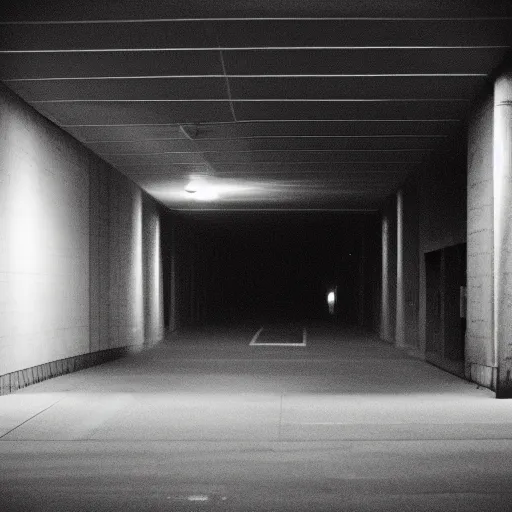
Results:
<point x="207" y="422"/>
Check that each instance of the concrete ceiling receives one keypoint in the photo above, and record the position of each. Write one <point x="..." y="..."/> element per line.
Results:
<point x="289" y="104"/>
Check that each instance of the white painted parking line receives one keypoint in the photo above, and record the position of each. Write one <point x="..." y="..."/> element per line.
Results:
<point x="278" y="344"/>
<point x="255" y="337"/>
<point x="321" y="423"/>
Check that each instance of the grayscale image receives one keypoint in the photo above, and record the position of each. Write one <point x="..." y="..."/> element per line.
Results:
<point x="256" y="256"/>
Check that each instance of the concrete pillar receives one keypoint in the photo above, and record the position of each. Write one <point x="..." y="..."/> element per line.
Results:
<point x="502" y="175"/>
<point x="410" y="262"/>
<point x="173" y="319"/>
<point x="480" y="356"/>
<point x="388" y="290"/>
<point x="407" y="266"/>
<point x="389" y="276"/>
<point x="400" y="291"/>
<point x="362" y="276"/>
<point x="385" y="329"/>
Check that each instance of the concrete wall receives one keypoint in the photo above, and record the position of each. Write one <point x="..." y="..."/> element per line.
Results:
<point x="502" y="178"/>
<point x="75" y="237"/>
<point x="480" y="353"/>
<point x="442" y="195"/>
<point x="427" y="214"/>
<point x="457" y="211"/>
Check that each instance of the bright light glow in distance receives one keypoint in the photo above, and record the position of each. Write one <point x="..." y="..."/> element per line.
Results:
<point x="207" y="194"/>
<point x="331" y="300"/>
<point x="201" y="190"/>
<point x="193" y="186"/>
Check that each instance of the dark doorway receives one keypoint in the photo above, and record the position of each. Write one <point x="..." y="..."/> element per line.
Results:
<point x="434" y="303"/>
<point x="445" y="307"/>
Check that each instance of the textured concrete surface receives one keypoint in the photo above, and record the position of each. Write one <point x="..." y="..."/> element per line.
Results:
<point x="479" y="352"/>
<point x="442" y="193"/>
<point x="75" y="239"/>
<point x="502" y="177"/>
<point x="44" y="240"/>
<point x="407" y="265"/>
<point x="389" y="271"/>
<point x="207" y="422"/>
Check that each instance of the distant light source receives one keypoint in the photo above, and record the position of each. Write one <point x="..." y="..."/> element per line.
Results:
<point x="331" y="301"/>
<point x="200" y="190"/>
<point x="193" y="186"/>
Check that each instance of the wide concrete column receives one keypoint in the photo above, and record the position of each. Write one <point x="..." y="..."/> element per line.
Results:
<point x="502" y="174"/>
<point x="480" y="354"/>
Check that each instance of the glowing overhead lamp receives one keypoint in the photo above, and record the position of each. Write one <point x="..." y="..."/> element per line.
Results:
<point x="200" y="190"/>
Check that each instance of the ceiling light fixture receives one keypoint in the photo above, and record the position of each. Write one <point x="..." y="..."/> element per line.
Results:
<point x="200" y="190"/>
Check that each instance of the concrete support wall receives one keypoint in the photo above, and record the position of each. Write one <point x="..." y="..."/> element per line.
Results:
<point x="400" y="278"/>
<point x="116" y="263"/>
<point x="44" y="240"/>
<point x="502" y="160"/>
<point x="153" y="278"/>
<point x="457" y="206"/>
<point x="442" y="215"/>
<point x="427" y="214"/>
<point x="388" y="275"/>
<point x="488" y="345"/>
<point x="407" y="288"/>
<point x="480" y="354"/>
<point x="75" y="236"/>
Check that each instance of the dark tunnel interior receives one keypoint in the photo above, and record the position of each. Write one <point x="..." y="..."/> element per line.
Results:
<point x="275" y="266"/>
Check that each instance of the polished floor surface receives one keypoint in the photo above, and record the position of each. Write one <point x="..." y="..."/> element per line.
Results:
<point x="312" y="418"/>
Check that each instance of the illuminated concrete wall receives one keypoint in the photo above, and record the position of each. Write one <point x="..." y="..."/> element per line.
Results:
<point x="502" y="184"/>
<point x="120" y="287"/>
<point x="480" y="354"/>
<point x="79" y="248"/>
<point x="44" y="240"/>
<point x="388" y="275"/>
<point x="488" y="345"/>
<point x="153" y="284"/>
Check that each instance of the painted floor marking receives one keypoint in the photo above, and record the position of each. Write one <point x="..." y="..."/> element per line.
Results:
<point x="255" y="343"/>
<point x="255" y="337"/>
